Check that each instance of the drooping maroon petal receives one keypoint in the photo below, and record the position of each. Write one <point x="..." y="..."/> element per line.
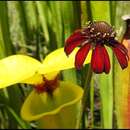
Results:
<point x="81" y="55"/>
<point x="116" y="44"/>
<point x="123" y="61"/>
<point x="73" y="41"/>
<point x="126" y="43"/>
<point x="97" y="60"/>
<point x="106" y="60"/>
<point x="123" y="49"/>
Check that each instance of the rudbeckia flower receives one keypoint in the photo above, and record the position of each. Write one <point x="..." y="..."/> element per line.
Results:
<point x="52" y="103"/>
<point x="95" y="36"/>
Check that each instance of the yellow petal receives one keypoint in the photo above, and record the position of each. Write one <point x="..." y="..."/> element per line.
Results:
<point x="57" y="60"/>
<point x="16" y="68"/>
<point x="38" y="78"/>
<point x="35" y="79"/>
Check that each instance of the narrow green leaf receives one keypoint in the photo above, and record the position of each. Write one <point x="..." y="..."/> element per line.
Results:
<point x="30" y="14"/>
<point x="22" y="17"/>
<point x="84" y="12"/>
<point x="43" y="16"/>
<point x="57" y="23"/>
<point x="4" y="25"/>
<point x="17" y="26"/>
<point x="13" y="93"/>
<point x="21" y="123"/>
<point x="101" y="12"/>
<point x="70" y="23"/>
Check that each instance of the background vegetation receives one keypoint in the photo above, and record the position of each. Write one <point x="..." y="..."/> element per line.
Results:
<point x="36" y="28"/>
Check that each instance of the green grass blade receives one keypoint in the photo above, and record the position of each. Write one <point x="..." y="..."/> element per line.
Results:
<point x="21" y="123"/>
<point x="70" y="23"/>
<point x="85" y="12"/>
<point x="31" y="15"/>
<point x="43" y="16"/>
<point x="101" y="11"/>
<point x="5" y="32"/>
<point x="13" y="94"/>
<point x="22" y="17"/>
<point x="57" y="23"/>
<point x="17" y="26"/>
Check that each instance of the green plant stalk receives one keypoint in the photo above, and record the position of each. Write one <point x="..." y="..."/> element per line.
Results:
<point x="92" y="103"/>
<point x="86" y="94"/>
<point x="85" y="17"/>
<point x="112" y="15"/>
<point x="87" y="87"/>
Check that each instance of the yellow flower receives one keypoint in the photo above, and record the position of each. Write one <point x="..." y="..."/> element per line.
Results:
<point x="62" y="109"/>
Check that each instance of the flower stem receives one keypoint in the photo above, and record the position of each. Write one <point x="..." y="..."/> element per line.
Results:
<point x="86" y="94"/>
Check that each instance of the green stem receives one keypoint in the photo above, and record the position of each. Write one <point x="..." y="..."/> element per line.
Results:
<point x="86" y="94"/>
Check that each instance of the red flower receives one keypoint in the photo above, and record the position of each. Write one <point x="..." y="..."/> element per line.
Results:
<point x="47" y="86"/>
<point x="95" y="36"/>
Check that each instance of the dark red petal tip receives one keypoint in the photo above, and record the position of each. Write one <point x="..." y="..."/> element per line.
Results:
<point x="81" y="55"/>
<point x="73" y="41"/>
<point x="122" y="47"/>
<point x="74" y="37"/>
<point x="97" y="61"/>
<point x="122" y="58"/>
<point x="70" y="47"/>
